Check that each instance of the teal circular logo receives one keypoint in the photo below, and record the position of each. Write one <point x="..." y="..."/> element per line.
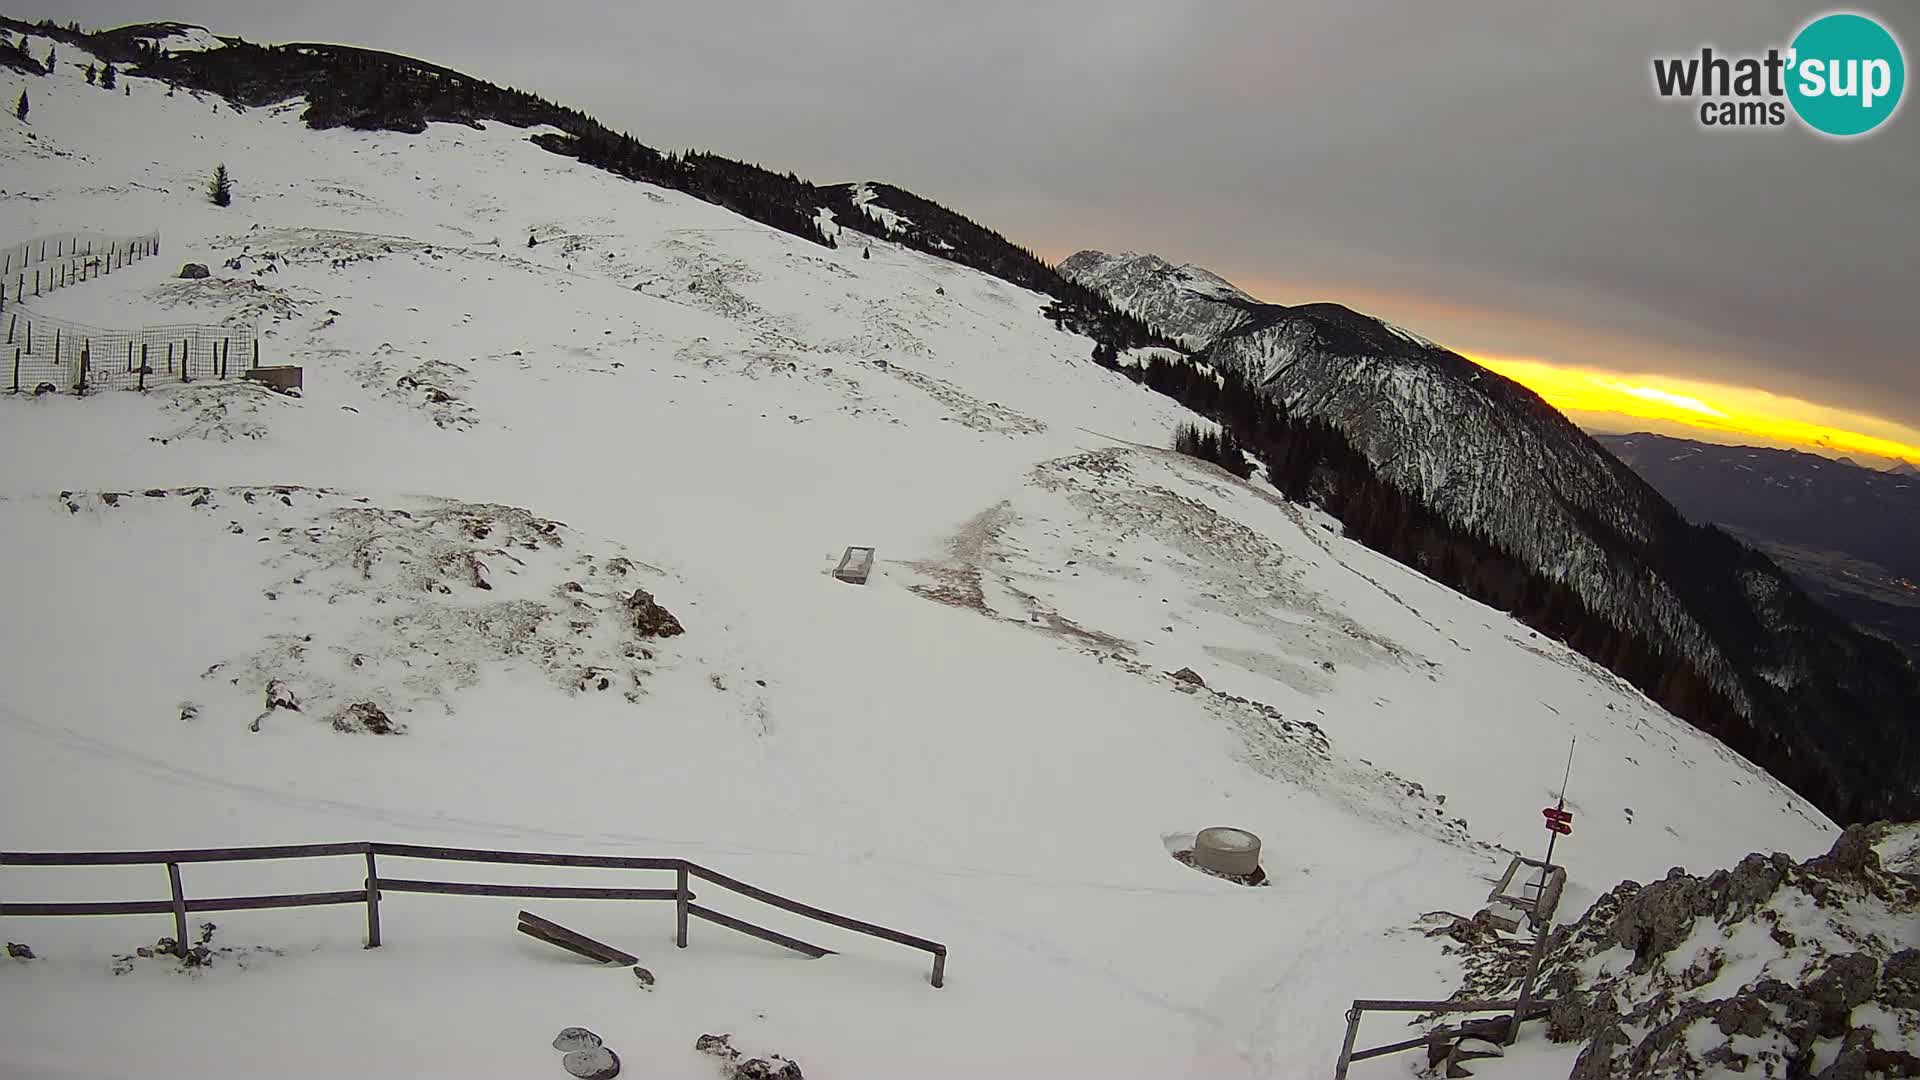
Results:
<point x="1846" y="74"/>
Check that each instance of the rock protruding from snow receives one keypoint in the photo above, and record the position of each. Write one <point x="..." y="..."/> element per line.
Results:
<point x="575" y="1038"/>
<point x="195" y="271"/>
<point x="771" y="1067"/>
<point x="1773" y="967"/>
<point x="596" y="1063"/>
<point x="650" y="620"/>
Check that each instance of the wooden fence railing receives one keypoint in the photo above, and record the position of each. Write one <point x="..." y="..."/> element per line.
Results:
<point x="369" y="893"/>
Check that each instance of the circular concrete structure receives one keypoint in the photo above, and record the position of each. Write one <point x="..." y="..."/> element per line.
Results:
<point x="1227" y="851"/>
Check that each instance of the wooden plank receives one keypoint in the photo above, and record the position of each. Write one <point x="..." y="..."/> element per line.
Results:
<point x="1346" y="1049"/>
<point x="606" y="953"/>
<point x="542" y="935"/>
<point x="523" y="858"/>
<point x="731" y="923"/>
<point x="811" y="912"/>
<point x="551" y="892"/>
<point x="135" y="858"/>
<point x="283" y="900"/>
<point x="128" y="907"/>
<point x="682" y="895"/>
<point x="179" y="911"/>
<point x="1390" y="1048"/>
<point x="1400" y="1005"/>
<point x="373" y="902"/>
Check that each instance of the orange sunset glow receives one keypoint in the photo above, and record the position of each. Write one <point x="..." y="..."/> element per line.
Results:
<point x="1720" y="413"/>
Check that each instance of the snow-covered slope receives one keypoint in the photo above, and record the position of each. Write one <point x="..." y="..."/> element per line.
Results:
<point x="1490" y="457"/>
<point x="983" y="745"/>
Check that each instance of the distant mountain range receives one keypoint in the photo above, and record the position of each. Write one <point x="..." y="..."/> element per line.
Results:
<point x="1488" y="455"/>
<point x="1850" y="534"/>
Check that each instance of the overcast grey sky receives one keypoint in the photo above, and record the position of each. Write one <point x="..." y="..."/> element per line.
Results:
<point x="1498" y="175"/>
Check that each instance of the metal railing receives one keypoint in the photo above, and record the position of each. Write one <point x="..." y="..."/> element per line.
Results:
<point x="373" y="886"/>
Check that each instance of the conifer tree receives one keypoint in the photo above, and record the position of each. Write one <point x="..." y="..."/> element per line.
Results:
<point x="51" y="59"/>
<point x="108" y="78"/>
<point x="20" y="108"/>
<point x="93" y="75"/>
<point x="220" y="188"/>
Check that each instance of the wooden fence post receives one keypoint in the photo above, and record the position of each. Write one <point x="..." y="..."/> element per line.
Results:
<point x="169" y="357"/>
<point x="86" y="361"/>
<point x="680" y="898"/>
<point x="373" y="902"/>
<point x="16" y="369"/>
<point x="185" y="356"/>
<point x="1526" y="985"/>
<point x="56" y="345"/>
<point x="226" y="350"/>
<point x="1346" y="1051"/>
<point x="256" y="352"/>
<point x="143" y="366"/>
<point x="179" y="911"/>
<point x="129" y="357"/>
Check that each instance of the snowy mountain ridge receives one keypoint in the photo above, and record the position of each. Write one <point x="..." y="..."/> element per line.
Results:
<point x="1490" y="457"/>
<point x="1076" y="650"/>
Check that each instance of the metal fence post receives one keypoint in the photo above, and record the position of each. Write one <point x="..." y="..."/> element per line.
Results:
<point x="179" y="911"/>
<point x="373" y="902"/>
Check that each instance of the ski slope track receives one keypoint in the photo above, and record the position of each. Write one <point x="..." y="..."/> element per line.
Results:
<point x="498" y="445"/>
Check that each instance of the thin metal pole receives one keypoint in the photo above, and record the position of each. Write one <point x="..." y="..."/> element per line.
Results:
<point x="1554" y="834"/>
<point x="939" y="970"/>
<point x="179" y="911"/>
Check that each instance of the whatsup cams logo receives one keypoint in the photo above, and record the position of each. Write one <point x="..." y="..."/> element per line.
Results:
<point x="1842" y="75"/>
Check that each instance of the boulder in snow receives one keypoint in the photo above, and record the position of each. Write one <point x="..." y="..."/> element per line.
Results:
<point x="575" y="1038"/>
<point x="597" y="1063"/>
<point x="649" y="618"/>
<point x="195" y="271"/>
